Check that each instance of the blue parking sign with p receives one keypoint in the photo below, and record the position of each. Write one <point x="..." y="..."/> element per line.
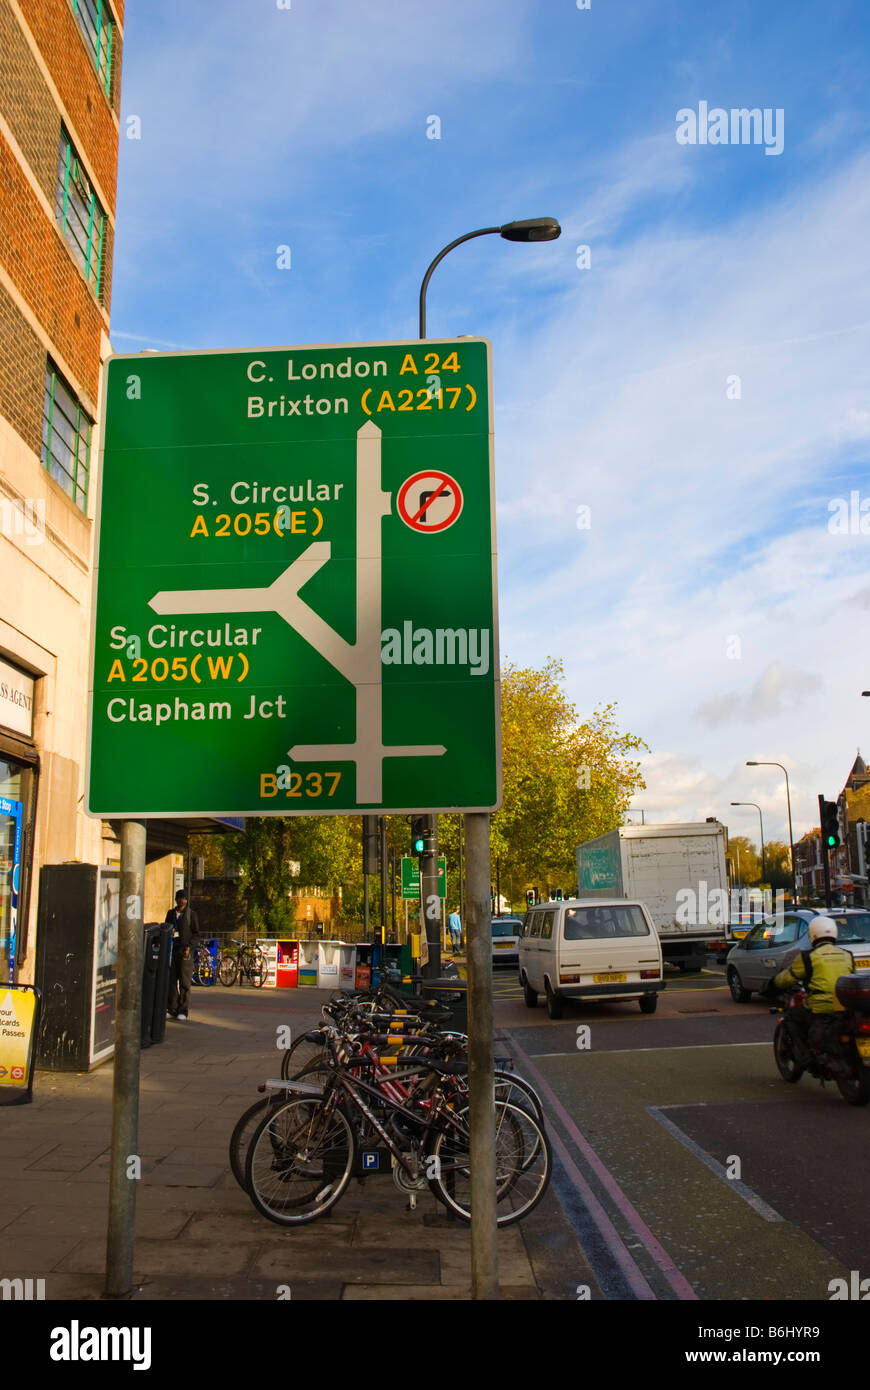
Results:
<point x="371" y="1160"/>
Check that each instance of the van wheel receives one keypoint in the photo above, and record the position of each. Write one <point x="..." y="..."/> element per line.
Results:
<point x="554" y="1003"/>
<point x="529" y="995"/>
<point x="648" y="1003"/>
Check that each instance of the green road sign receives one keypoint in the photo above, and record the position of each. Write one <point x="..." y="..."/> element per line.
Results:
<point x="295" y="587"/>
<point x="411" y="877"/>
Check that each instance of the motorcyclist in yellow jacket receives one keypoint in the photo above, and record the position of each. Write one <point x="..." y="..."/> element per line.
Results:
<point x="818" y="970"/>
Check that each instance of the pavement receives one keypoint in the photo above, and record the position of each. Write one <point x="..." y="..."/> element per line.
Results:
<point x="197" y="1234"/>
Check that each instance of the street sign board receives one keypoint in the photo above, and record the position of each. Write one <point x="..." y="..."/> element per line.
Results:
<point x="294" y="609"/>
<point x="411" y="877"/>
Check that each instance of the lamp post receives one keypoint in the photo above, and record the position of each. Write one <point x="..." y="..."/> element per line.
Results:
<point x="790" y="834"/>
<point x="533" y="229"/>
<point x="761" y="825"/>
<point x="478" y="937"/>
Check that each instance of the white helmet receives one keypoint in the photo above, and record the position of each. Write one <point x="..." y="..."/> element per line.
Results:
<point x="823" y="927"/>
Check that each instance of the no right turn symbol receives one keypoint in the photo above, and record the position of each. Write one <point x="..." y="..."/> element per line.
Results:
<point x="429" y="502"/>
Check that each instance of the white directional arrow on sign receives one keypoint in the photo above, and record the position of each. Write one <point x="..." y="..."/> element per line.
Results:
<point x="359" y="662"/>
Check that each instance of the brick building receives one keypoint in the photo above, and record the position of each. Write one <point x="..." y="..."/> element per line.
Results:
<point x="60" y="82"/>
<point x="850" y="861"/>
<point x="60" y="85"/>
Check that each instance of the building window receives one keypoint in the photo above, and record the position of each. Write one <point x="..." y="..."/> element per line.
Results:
<point x="97" y="26"/>
<point x="66" y="438"/>
<point x="82" y="220"/>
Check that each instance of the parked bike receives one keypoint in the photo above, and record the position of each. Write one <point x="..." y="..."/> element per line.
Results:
<point x="382" y="1087"/>
<point x="245" y="962"/>
<point x="837" y="1046"/>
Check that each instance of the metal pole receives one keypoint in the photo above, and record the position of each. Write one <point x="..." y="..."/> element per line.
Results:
<point x="124" y="1151"/>
<point x="461" y="877"/>
<point x="365" y="906"/>
<point x="790" y="842"/>
<point x="430" y="902"/>
<point x="824" y="852"/>
<point x="498" y="885"/>
<point x="481" y="1081"/>
<point x="382" y="828"/>
<point x="393" y="892"/>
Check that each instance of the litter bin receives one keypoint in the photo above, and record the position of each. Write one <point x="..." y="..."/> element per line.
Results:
<point x="453" y="994"/>
<point x="150" y="970"/>
<point x="161" y="988"/>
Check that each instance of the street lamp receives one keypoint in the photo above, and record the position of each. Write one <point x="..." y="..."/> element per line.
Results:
<point x="790" y="835"/>
<point x="761" y="824"/>
<point x="533" y="229"/>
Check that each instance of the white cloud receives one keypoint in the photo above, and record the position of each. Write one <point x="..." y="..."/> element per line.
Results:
<point x="709" y="515"/>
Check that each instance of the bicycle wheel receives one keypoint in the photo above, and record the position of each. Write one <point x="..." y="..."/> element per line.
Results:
<point x="228" y="970"/>
<point x="523" y="1164"/>
<point x="300" y="1055"/>
<point x="300" y="1161"/>
<point x="259" y="969"/>
<point x="246" y="1127"/>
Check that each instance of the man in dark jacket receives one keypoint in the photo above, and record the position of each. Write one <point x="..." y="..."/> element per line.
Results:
<point x="185" y="940"/>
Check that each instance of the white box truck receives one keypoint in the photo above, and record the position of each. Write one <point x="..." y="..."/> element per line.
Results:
<point x="678" y="871"/>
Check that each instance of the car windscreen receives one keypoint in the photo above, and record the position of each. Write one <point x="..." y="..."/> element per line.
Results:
<point x="854" y="927"/>
<point x="592" y="923"/>
<point x="506" y="928"/>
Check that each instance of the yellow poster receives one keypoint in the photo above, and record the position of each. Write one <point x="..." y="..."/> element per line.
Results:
<point x="17" y="1014"/>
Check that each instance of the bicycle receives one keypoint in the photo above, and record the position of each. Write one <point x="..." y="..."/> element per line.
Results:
<point x="306" y="1149"/>
<point x="245" y="962"/>
<point x="204" y="970"/>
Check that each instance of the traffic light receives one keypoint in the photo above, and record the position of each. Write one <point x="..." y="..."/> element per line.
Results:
<point x="530" y="897"/>
<point x="422" y="834"/>
<point x="558" y="895"/>
<point x="830" y="823"/>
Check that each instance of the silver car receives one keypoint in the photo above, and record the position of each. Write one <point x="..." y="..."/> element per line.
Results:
<point x="773" y="943"/>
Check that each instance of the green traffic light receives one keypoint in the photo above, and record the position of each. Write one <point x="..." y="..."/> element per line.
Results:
<point x="832" y="841"/>
<point x="418" y="846"/>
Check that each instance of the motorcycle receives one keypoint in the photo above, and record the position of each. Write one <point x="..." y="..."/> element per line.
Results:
<point x="837" y="1047"/>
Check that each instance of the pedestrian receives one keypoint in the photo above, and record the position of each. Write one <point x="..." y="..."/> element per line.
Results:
<point x="185" y="940"/>
<point x="454" y="926"/>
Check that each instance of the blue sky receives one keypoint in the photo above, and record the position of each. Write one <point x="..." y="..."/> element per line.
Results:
<point x="708" y="595"/>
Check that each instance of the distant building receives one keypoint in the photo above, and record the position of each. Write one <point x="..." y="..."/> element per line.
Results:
<point x="850" y="862"/>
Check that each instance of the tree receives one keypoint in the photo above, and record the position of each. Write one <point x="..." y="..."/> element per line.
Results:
<point x="566" y="780"/>
<point x="744" y="861"/>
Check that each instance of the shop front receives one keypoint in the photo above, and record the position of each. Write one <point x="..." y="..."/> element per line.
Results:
<point x="19" y="766"/>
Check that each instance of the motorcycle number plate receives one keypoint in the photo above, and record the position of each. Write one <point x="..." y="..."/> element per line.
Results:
<point x="863" y="1045"/>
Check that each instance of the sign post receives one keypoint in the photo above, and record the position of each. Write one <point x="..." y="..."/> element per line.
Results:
<point x="295" y="600"/>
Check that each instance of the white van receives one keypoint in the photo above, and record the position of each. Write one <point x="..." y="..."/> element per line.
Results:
<point x="591" y="949"/>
